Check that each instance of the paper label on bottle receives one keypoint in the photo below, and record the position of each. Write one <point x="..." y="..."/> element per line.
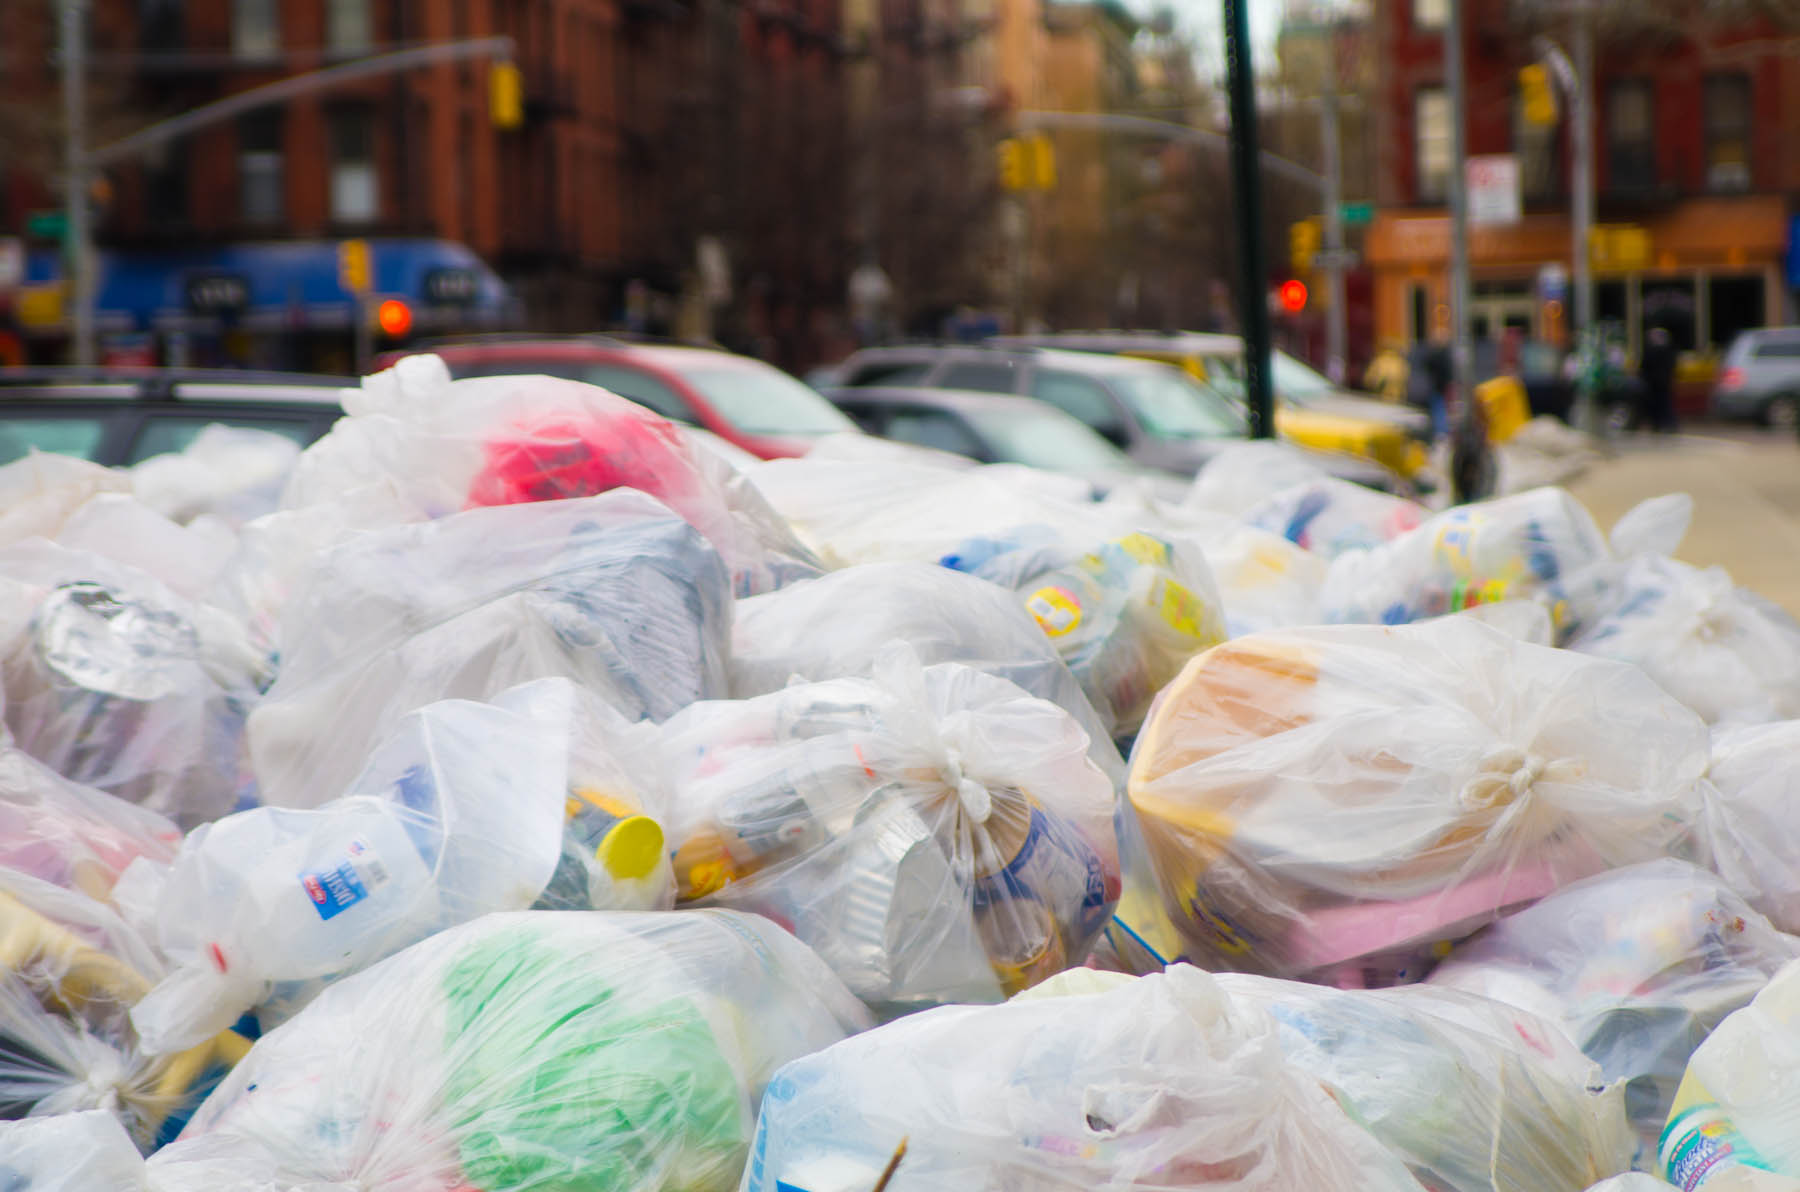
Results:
<point x="335" y="888"/>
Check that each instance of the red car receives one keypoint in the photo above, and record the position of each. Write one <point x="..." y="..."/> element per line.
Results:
<point x="745" y="402"/>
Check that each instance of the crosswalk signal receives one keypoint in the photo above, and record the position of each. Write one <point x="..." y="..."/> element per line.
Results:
<point x="1537" y="95"/>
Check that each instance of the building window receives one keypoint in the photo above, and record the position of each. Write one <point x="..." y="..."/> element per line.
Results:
<point x="347" y="25"/>
<point x="166" y="184"/>
<point x="255" y="27"/>
<point x="1430" y="14"/>
<point x="1539" y="154"/>
<point x="1630" y="136"/>
<point x="1728" y="132"/>
<point x="1734" y="305"/>
<point x="1431" y="142"/>
<point x="160" y="25"/>
<point x="260" y="182"/>
<point x="355" y="192"/>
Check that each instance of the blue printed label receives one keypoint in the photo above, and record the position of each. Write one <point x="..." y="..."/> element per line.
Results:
<point x="336" y="888"/>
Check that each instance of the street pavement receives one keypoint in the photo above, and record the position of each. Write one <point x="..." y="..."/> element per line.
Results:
<point x="1745" y="482"/>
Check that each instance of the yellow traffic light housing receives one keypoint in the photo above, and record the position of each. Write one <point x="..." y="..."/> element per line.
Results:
<point x="506" y="95"/>
<point x="1012" y="164"/>
<point x="353" y="266"/>
<point x="1537" y="95"/>
<point x="1304" y="238"/>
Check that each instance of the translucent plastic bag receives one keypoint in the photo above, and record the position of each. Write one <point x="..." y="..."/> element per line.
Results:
<point x="935" y="834"/>
<point x="1636" y="966"/>
<point x="39" y="492"/>
<point x="74" y="1152"/>
<point x="1162" y="1082"/>
<point x="1737" y="1112"/>
<point x="1748" y="833"/>
<point x="836" y="625"/>
<point x="1342" y="800"/>
<point x="1329" y="516"/>
<point x="1720" y="649"/>
<point x="1539" y="545"/>
<point x="459" y="813"/>
<point x="420" y="445"/>
<point x="1265" y="581"/>
<point x="187" y="558"/>
<point x="1244" y="475"/>
<point x="871" y="506"/>
<point x="612" y="591"/>
<point x="228" y="472"/>
<point x="70" y="971"/>
<point x="117" y="682"/>
<point x="1125" y="614"/>
<point x="1475" y="1095"/>
<point x="524" y="1052"/>
<point x="69" y="835"/>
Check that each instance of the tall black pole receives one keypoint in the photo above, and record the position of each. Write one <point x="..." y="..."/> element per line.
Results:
<point x="1253" y="301"/>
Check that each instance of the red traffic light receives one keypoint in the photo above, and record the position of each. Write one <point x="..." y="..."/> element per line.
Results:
<point x="394" y="318"/>
<point x="1293" y="296"/>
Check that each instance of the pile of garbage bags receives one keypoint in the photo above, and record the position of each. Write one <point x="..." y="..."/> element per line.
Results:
<point x="510" y="792"/>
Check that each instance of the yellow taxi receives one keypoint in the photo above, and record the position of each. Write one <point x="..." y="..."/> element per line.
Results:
<point x="1309" y="409"/>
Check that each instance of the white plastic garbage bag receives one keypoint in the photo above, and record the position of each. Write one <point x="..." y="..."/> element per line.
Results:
<point x="1720" y="649"/>
<point x="1125" y="613"/>
<point x="1737" y="1112"/>
<point x="72" y="1152"/>
<point x="1475" y="1095"/>
<point x="935" y="834"/>
<point x="69" y="835"/>
<point x="585" y="1052"/>
<point x="117" y="682"/>
<point x="613" y="591"/>
<point x="41" y="490"/>
<point x="1244" y="475"/>
<point x="1539" y="545"/>
<point x="232" y="473"/>
<point x="1343" y="801"/>
<point x="458" y="813"/>
<point x="70" y="971"/>
<point x="1637" y="966"/>
<point x="1749" y="834"/>
<point x="187" y="558"/>
<point x="835" y="626"/>
<point x="1160" y="1082"/>
<point x="417" y="445"/>
<point x="1330" y="516"/>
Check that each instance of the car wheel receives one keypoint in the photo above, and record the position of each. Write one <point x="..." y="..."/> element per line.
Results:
<point x="1783" y="412"/>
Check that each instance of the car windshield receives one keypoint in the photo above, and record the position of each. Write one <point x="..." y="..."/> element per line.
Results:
<point x="1172" y="405"/>
<point x="765" y="401"/>
<point x="1047" y="438"/>
<point x="1297" y="383"/>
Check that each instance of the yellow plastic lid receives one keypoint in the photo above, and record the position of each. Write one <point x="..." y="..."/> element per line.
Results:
<point x="632" y="848"/>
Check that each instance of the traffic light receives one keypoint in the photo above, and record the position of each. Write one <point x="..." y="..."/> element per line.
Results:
<point x="506" y="95"/>
<point x="353" y="266"/>
<point x="394" y="317"/>
<point x="1013" y="172"/>
<point x="1293" y="295"/>
<point x="1537" y="95"/>
<point x="1043" y="161"/>
<point x="1303" y="244"/>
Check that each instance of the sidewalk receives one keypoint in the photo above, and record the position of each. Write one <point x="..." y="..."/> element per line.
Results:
<point x="1746" y="491"/>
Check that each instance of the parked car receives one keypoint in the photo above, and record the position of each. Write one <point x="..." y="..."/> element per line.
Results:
<point x="1309" y="409"/>
<point x="750" y="404"/>
<point x="125" y="416"/>
<point x="1158" y="415"/>
<point x="1759" y="379"/>
<point x="994" y="428"/>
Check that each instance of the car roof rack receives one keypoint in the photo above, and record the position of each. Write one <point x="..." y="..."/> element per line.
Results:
<point x="160" y="384"/>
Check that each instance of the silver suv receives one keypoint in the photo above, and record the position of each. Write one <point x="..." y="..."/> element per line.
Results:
<point x="1759" y="378"/>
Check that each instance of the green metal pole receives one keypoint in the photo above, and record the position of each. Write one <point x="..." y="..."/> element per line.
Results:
<point x="1253" y="303"/>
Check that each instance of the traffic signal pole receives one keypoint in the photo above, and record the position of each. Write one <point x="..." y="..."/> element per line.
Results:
<point x="1246" y="177"/>
<point x="1335" y="349"/>
<point x="1454" y="74"/>
<point x="77" y="244"/>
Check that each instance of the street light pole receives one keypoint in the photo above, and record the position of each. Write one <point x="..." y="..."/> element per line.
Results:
<point x="1253" y="302"/>
<point x="78" y="249"/>
<point x="1459" y="201"/>
<point x="1334" y="218"/>
<point x="1581" y="118"/>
